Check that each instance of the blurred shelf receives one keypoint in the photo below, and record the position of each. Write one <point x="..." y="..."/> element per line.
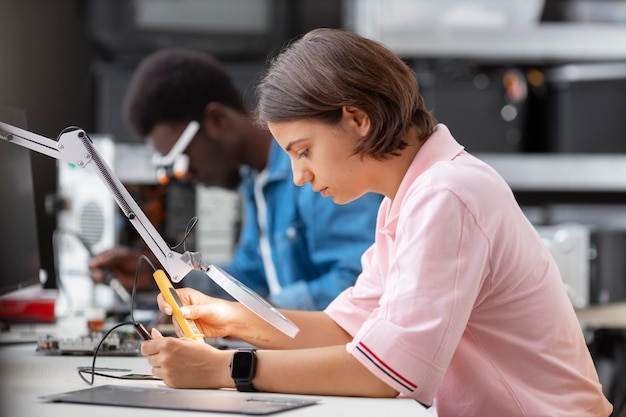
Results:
<point x="554" y="42"/>
<point x="561" y="172"/>
<point x="562" y="178"/>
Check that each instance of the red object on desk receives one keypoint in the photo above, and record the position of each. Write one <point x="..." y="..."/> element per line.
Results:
<point x="38" y="310"/>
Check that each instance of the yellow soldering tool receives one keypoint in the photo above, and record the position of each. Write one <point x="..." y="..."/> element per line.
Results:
<point x="188" y="326"/>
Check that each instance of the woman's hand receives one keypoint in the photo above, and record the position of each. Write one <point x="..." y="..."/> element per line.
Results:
<point x="186" y="363"/>
<point x="214" y="317"/>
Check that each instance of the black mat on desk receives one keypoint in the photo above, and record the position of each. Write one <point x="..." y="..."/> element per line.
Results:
<point x="182" y="399"/>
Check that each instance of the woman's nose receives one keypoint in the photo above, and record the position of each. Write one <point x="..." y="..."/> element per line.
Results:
<point x="301" y="175"/>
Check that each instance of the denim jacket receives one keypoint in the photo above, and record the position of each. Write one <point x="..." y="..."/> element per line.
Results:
<point x="316" y="245"/>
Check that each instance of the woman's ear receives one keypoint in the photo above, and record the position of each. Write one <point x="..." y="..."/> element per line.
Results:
<point x="356" y="118"/>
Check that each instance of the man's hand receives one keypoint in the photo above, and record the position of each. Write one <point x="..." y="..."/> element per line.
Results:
<point x="121" y="262"/>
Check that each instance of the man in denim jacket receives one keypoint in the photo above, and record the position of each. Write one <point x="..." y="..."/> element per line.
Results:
<point x="296" y="248"/>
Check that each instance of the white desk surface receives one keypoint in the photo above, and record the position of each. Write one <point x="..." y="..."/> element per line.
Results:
<point x="25" y="375"/>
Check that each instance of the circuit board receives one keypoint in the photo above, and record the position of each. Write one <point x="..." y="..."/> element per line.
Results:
<point x="115" y="344"/>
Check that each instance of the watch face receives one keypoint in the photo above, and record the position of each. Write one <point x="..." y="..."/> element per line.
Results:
<point x="242" y="365"/>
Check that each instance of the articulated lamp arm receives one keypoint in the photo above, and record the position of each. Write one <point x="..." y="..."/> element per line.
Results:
<point x="74" y="146"/>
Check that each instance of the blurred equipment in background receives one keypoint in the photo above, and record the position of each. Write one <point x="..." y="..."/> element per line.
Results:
<point x="219" y="222"/>
<point x="570" y="246"/>
<point x="608" y="266"/>
<point x="586" y="11"/>
<point x="376" y="18"/>
<point x="591" y="261"/>
<point x="233" y="27"/>
<point x="484" y="106"/>
<point x="585" y="106"/>
<point x="86" y="225"/>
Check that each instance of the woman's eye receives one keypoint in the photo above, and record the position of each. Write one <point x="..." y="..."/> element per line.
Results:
<point x="303" y="154"/>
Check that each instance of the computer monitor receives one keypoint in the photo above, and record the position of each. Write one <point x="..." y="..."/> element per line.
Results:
<point x="41" y="171"/>
<point x="44" y="170"/>
<point x="19" y="246"/>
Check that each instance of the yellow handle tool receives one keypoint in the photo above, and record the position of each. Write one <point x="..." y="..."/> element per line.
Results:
<point x="188" y="327"/>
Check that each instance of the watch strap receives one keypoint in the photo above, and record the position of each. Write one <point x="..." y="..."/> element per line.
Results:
<point x="245" y="386"/>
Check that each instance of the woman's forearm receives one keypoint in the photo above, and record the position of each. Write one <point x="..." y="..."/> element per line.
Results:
<point x="327" y="370"/>
<point x="316" y="329"/>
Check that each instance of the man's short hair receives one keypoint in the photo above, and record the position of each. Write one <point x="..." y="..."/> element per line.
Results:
<point x="173" y="85"/>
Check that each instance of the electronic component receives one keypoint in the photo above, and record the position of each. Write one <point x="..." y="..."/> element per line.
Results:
<point x="115" y="344"/>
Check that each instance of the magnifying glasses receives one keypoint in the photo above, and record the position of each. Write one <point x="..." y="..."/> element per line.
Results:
<point x="176" y="161"/>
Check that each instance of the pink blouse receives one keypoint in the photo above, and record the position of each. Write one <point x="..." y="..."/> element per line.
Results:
<point x="460" y="303"/>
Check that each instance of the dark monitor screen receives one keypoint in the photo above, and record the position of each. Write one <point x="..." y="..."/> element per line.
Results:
<point x="19" y="246"/>
<point x="43" y="171"/>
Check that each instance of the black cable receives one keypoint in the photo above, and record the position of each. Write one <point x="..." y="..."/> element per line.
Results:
<point x="139" y="328"/>
<point x="93" y="372"/>
<point x="191" y="224"/>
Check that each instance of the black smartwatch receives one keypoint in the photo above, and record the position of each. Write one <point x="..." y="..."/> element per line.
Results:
<point x="242" y="369"/>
